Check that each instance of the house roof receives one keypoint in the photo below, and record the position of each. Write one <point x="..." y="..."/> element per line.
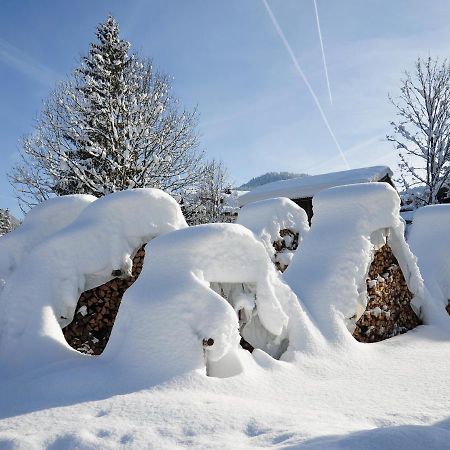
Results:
<point x="305" y="187"/>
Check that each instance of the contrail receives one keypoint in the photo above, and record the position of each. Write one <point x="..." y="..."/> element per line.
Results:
<point x="323" y="51"/>
<point x="303" y="76"/>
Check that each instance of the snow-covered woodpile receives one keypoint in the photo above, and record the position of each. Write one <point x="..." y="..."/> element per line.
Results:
<point x="284" y="246"/>
<point x="388" y="311"/>
<point x="97" y="309"/>
<point x="280" y="224"/>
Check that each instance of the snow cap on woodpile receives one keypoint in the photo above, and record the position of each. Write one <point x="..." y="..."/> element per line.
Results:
<point x="171" y="321"/>
<point x="429" y="239"/>
<point x="329" y="274"/>
<point x="41" y="295"/>
<point x="41" y="222"/>
<point x="266" y="218"/>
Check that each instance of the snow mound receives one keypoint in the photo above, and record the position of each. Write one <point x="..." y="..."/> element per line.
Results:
<point x="429" y="239"/>
<point x="41" y="222"/>
<point x="172" y="321"/>
<point x="266" y="218"/>
<point x="329" y="274"/>
<point x="41" y="295"/>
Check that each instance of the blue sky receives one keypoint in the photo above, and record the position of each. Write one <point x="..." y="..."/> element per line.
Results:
<point x="256" y="113"/>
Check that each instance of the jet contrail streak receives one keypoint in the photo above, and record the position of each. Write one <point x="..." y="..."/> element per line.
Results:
<point x="323" y="52"/>
<point x="303" y="76"/>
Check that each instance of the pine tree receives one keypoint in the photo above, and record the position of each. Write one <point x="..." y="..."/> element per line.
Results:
<point x="113" y="126"/>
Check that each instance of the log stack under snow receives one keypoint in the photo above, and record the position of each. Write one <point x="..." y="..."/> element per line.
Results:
<point x="97" y="309"/>
<point x="284" y="248"/>
<point x="389" y="310"/>
<point x="279" y="224"/>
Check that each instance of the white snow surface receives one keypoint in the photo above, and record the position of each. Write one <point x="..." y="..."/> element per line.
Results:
<point x="41" y="294"/>
<point x="41" y="222"/>
<point x="150" y="388"/>
<point x="311" y="185"/>
<point x="266" y="218"/>
<point x="329" y="272"/>
<point x="171" y="308"/>
<point x="429" y="239"/>
<point x="389" y="395"/>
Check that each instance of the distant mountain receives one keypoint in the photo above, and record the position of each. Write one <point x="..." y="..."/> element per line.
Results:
<point x="269" y="177"/>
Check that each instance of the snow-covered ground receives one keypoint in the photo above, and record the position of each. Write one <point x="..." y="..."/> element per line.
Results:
<point x="397" y="391"/>
<point x="173" y="374"/>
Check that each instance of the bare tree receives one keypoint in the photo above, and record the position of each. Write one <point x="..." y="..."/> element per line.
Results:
<point x="208" y="201"/>
<point x="113" y="126"/>
<point x="422" y="134"/>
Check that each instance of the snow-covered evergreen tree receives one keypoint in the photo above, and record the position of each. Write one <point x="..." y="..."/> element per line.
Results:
<point x="422" y="134"/>
<point x="113" y="126"/>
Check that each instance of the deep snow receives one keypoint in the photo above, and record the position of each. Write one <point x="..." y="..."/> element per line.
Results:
<point x="151" y="389"/>
<point x="266" y="218"/>
<point x="329" y="272"/>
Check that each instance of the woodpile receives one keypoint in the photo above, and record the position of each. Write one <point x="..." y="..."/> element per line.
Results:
<point x="96" y="311"/>
<point x="284" y="248"/>
<point x="388" y="312"/>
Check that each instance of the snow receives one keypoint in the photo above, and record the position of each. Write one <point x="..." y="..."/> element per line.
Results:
<point x="230" y="200"/>
<point x="266" y="218"/>
<point x="309" y="186"/>
<point x="41" y="222"/>
<point x="383" y="397"/>
<point x="329" y="272"/>
<point x="41" y="294"/>
<point x="160" y="383"/>
<point x="172" y="309"/>
<point x="429" y="239"/>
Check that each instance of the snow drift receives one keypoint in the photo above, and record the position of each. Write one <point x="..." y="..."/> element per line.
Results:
<point x="329" y="274"/>
<point x="41" y="222"/>
<point x="429" y="239"/>
<point x="41" y="294"/>
<point x="171" y="321"/>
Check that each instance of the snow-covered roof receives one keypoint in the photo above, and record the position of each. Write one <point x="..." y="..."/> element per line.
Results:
<point x="309" y="186"/>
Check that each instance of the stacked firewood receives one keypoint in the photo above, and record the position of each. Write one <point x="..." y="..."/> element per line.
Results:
<point x="388" y="310"/>
<point x="285" y="247"/>
<point x="96" y="312"/>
